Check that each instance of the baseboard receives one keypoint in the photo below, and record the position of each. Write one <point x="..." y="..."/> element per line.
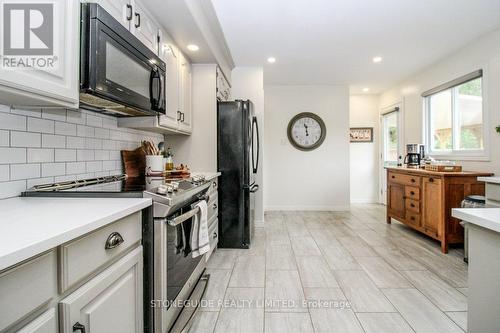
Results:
<point x="306" y="208"/>
<point x="259" y="223"/>
<point x="365" y="201"/>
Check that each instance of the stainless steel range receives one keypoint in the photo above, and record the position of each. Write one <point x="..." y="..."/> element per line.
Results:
<point x="172" y="277"/>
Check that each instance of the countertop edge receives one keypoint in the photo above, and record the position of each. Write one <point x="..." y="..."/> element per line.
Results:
<point x="469" y="215"/>
<point x="35" y="249"/>
<point x="443" y="174"/>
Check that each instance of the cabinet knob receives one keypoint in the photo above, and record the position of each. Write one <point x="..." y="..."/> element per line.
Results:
<point x="412" y="205"/>
<point x="412" y="218"/>
<point x="79" y="327"/>
<point x="114" y="240"/>
<point x="214" y="184"/>
<point x="393" y="176"/>
<point x="412" y="193"/>
<point x="215" y="234"/>
<point x="413" y="180"/>
<point x="431" y="180"/>
<point x="214" y="206"/>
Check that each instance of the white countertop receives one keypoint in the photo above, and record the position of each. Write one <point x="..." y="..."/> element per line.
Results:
<point x="30" y="226"/>
<point x="488" y="218"/>
<point x="495" y="180"/>
<point x="208" y="175"/>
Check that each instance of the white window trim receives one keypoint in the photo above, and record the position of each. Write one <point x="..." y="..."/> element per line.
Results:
<point x="461" y="155"/>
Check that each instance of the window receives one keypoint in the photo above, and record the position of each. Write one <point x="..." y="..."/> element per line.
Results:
<point x="454" y="117"/>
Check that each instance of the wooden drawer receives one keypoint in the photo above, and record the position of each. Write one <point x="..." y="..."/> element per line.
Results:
<point x="404" y="179"/>
<point x="213" y="206"/>
<point x="412" y="205"/>
<point x="412" y="218"/>
<point x="80" y="258"/>
<point x="412" y="192"/>
<point x="214" y="186"/>
<point x="26" y="288"/>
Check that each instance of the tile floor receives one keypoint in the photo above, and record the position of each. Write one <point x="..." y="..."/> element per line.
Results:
<point x="335" y="272"/>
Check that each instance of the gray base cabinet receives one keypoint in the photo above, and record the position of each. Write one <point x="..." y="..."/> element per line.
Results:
<point x="110" y="302"/>
<point x="45" y="323"/>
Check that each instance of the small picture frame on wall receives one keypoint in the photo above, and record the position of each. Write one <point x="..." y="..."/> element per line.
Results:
<point x="361" y="134"/>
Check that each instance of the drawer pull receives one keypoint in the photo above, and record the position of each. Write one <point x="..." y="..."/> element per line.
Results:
<point x="412" y="193"/>
<point x="214" y="184"/>
<point x="114" y="240"/>
<point x="215" y="235"/>
<point x="393" y="176"/>
<point x="412" y="205"/>
<point x="79" y="327"/>
<point x="214" y="206"/>
<point x="413" y="180"/>
<point x="412" y="218"/>
<point x="431" y="180"/>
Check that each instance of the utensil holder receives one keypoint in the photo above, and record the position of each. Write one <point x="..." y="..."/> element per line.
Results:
<point x="154" y="163"/>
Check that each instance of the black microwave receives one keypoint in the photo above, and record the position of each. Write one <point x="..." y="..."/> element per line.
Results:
<point x="118" y="73"/>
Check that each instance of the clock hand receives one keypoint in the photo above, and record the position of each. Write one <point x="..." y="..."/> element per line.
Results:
<point x="307" y="132"/>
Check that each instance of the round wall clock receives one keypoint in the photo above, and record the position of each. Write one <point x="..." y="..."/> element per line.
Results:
<point x="306" y="131"/>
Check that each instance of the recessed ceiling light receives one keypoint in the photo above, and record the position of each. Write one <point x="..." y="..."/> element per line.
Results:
<point x="366" y="89"/>
<point x="377" y="59"/>
<point x="271" y="60"/>
<point x="193" y="47"/>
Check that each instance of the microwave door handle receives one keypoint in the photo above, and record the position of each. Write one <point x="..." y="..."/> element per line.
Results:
<point x="152" y="77"/>
<point x="159" y="89"/>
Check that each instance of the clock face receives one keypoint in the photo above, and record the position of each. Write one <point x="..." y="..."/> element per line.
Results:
<point x="306" y="131"/>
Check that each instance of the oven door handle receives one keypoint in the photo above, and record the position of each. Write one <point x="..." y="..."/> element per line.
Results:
<point x="184" y="217"/>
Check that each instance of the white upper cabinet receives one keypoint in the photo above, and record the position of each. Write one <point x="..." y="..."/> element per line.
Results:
<point x="185" y="123"/>
<point x="170" y="54"/>
<point x="121" y="10"/>
<point x="144" y="27"/>
<point x="45" y="85"/>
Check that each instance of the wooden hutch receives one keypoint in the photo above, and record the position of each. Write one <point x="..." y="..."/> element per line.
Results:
<point x="423" y="200"/>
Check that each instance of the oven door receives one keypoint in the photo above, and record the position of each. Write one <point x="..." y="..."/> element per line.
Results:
<point x="177" y="275"/>
<point x="117" y="67"/>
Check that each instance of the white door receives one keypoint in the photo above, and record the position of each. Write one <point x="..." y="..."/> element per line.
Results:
<point x="170" y="54"/>
<point x="121" y="10"/>
<point x="56" y="80"/>
<point x="185" y="124"/>
<point x="144" y="27"/>
<point x="391" y="144"/>
<point x="110" y="302"/>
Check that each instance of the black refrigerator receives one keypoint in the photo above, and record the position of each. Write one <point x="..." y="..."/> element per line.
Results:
<point x="238" y="162"/>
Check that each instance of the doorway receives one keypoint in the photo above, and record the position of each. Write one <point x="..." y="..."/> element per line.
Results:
<point x="391" y="143"/>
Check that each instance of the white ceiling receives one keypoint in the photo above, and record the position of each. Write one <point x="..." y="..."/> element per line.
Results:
<point x="334" y="41"/>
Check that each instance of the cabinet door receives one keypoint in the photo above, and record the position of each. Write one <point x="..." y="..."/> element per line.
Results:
<point x="121" y="10"/>
<point x="45" y="323"/>
<point x="55" y="82"/>
<point x="145" y="27"/>
<point x="432" y="206"/>
<point x="396" y="200"/>
<point x="185" y="124"/>
<point x="111" y="302"/>
<point x="170" y="54"/>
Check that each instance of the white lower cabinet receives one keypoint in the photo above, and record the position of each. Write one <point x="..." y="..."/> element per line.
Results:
<point x="110" y="302"/>
<point x="45" y="323"/>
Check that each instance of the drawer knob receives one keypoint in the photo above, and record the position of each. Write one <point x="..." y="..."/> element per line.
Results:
<point x="215" y="235"/>
<point x="79" y="327"/>
<point x="431" y="179"/>
<point x="393" y="176"/>
<point x="413" y="205"/>
<point x="413" y="180"/>
<point x="412" y="218"/>
<point x="214" y="184"/>
<point x="214" y="206"/>
<point x="412" y="193"/>
<point x="114" y="240"/>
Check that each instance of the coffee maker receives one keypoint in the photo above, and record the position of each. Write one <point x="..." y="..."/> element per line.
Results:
<point x="413" y="155"/>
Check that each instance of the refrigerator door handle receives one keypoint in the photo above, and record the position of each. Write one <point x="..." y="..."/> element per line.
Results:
<point x="255" y="130"/>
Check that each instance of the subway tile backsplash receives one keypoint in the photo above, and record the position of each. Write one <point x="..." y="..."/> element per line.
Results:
<point x="45" y="146"/>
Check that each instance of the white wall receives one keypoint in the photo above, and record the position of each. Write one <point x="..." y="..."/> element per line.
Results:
<point x="53" y="145"/>
<point x="364" y="157"/>
<point x="199" y="150"/>
<point x="248" y="83"/>
<point x="483" y="53"/>
<point x="315" y="180"/>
